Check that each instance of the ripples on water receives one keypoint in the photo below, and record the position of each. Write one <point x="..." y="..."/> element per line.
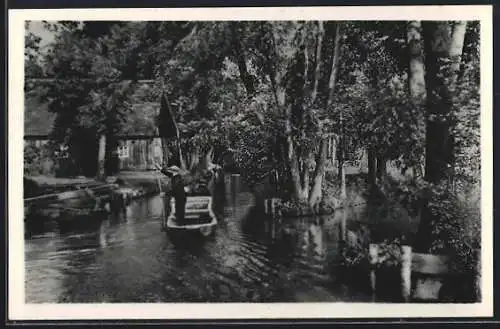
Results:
<point x="128" y="259"/>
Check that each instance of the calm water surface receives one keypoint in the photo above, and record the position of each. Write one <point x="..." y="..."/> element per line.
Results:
<point x="128" y="259"/>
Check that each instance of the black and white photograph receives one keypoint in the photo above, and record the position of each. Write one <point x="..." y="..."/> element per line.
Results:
<point x="313" y="163"/>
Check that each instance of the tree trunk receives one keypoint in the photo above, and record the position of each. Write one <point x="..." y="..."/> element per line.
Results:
<point x="438" y="138"/>
<point x="381" y="168"/>
<point x="319" y="50"/>
<point x="456" y="48"/>
<point x="331" y="88"/>
<point x="295" y="173"/>
<point x="295" y="106"/>
<point x="416" y="72"/>
<point x="437" y="148"/>
<point x="180" y="160"/>
<point x="332" y="150"/>
<point x="292" y="157"/>
<point x="440" y="70"/>
<point x="194" y="161"/>
<point x="334" y="66"/>
<point x="305" y="182"/>
<point x="208" y="158"/>
<point x="341" y="171"/>
<point x="316" y="194"/>
<point x="372" y="165"/>
<point x="111" y="166"/>
<point x="343" y="189"/>
<point x="101" y="154"/>
<point x="246" y="78"/>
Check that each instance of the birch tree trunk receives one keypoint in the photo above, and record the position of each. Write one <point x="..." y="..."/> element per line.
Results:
<point x="316" y="194"/>
<point x="438" y="108"/>
<point x="290" y="88"/>
<point x="101" y="154"/>
<point x="381" y="168"/>
<point x="416" y="72"/>
<point x="372" y="166"/>
<point x="246" y="78"/>
<point x="456" y="48"/>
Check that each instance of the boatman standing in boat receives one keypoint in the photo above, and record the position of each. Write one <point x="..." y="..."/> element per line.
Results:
<point x="178" y="191"/>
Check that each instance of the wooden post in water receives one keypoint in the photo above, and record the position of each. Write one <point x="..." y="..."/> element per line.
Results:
<point x="406" y="260"/>
<point x="373" y="260"/>
<point x="271" y="207"/>
<point x="100" y="157"/>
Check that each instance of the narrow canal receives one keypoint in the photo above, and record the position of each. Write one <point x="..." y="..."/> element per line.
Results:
<point x="128" y="259"/>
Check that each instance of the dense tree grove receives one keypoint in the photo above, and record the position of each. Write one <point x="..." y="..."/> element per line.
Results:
<point x="274" y="95"/>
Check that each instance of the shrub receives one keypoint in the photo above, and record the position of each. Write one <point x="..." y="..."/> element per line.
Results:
<point x="458" y="228"/>
<point x="389" y="254"/>
<point x="38" y="160"/>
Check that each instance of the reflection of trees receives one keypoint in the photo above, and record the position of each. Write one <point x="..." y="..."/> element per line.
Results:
<point x="282" y="244"/>
<point x="104" y="234"/>
<point x="313" y="240"/>
<point x="316" y="237"/>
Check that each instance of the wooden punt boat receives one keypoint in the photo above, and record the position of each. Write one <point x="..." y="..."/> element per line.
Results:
<point x="199" y="218"/>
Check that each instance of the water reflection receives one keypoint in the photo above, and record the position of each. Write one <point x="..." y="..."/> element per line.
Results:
<point x="128" y="259"/>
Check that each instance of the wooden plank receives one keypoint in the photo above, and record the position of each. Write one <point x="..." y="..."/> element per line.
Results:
<point x="67" y="195"/>
<point x="71" y="195"/>
<point x="430" y="264"/>
<point x="46" y="181"/>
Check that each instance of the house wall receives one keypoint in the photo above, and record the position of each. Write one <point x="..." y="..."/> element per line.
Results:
<point x="139" y="153"/>
<point x="135" y="153"/>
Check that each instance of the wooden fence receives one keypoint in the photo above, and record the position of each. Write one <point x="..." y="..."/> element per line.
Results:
<point x="412" y="268"/>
